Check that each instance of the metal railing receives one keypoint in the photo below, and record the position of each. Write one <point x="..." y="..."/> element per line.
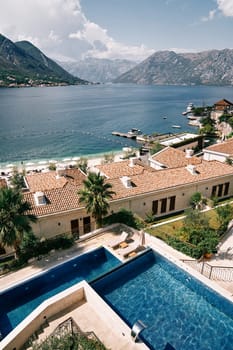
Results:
<point x="213" y="272"/>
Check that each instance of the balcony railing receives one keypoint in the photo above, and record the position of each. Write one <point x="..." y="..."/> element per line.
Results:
<point x="213" y="272"/>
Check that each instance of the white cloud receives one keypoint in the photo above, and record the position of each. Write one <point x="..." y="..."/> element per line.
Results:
<point x="61" y="30"/>
<point x="182" y="50"/>
<point x="95" y="35"/>
<point x="226" y="7"/>
<point x="210" y="17"/>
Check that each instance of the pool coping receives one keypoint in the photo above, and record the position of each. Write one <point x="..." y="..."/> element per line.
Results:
<point x="153" y="243"/>
<point x="159" y="246"/>
<point x="82" y="290"/>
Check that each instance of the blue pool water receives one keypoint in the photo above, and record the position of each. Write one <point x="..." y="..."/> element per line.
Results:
<point x="177" y="309"/>
<point x="18" y="302"/>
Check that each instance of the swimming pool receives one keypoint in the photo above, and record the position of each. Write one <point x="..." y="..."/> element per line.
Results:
<point x="177" y="309"/>
<point x="18" y="302"/>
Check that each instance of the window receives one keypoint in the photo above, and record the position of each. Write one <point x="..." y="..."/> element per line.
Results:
<point x="87" y="224"/>
<point x="75" y="228"/>
<point x="220" y="188"/>
<point x="226" y="189"/>
<point x="214" y="190"/>
<point x="163" y="205"/>
<point x="40" y="198"/>
<point x="155" y="207"/>
<point x="172" y="203"/>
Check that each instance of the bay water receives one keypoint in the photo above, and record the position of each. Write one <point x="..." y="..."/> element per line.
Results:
<point x="58" y="122"/>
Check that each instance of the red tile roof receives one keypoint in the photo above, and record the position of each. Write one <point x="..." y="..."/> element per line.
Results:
<point x="64" y="197"/>
<point x="224" y="147"/>
<point x="50" y="180"/>
<point x="58" y="200"/>
<point x="174" y="158"/>
<point x="223" y="102"/>
<point x="167" y="178"/>
<point x="119" y="169"/>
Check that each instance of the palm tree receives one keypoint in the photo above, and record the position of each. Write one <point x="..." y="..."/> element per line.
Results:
<point x="17" y="180"/>
<point x="14" y="218"/>
<point x="95" y="195"/>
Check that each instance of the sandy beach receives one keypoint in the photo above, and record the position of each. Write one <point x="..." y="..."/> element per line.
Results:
<point x="43" y="165"/>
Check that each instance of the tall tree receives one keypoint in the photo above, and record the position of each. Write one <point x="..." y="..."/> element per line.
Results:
<point x="95" y="195"/>
<point x="224" y="216"/>
<point x="17" y="179"/>
<point x="14" y="218"/>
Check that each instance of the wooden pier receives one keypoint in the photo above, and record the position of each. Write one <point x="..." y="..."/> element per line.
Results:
<point x="123" y="134"/>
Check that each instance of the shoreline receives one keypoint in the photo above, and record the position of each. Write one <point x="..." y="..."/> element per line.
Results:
<point x="42" y="164"/>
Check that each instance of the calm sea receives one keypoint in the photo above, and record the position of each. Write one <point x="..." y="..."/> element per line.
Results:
<point x="58" y="122"/>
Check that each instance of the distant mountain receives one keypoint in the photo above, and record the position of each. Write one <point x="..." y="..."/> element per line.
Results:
<point x="23" y="64"/>
<point x="213" y="67"/>
<point x="98" y="70"/>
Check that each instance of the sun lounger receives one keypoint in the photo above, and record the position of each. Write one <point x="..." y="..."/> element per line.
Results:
<point x="118" y="240"/>
<point x="125" y="252"/>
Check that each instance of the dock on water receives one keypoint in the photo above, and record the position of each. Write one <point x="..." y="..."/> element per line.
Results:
<point x="124" y="134"/>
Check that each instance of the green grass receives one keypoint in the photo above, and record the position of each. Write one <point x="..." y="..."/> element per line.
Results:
<point x="173" y="235"/>
<point x="173" y="228"/>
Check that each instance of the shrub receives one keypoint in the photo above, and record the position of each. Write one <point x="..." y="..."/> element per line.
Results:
<point x="125" y="217"/>
<point x="69" y="341"/>
<point x="184" y="247"/>
<point x="32" y="247"/>
<point x="52" y="166"/>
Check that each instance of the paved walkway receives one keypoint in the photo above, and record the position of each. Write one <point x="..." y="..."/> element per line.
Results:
<point x="55" y="258"/>
<point x="88" y="320"/>
<point x="225" y="251"/>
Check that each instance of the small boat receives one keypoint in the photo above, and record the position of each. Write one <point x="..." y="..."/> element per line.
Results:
<point x="164" y="117"/>
<point x="190" y="107"/>
<point x="176" y="126"/>
<point x="134" y="132"/>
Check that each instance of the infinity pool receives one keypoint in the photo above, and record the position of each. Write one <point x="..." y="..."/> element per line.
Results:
<point x="178" y="310"/>
<point x="18" y="302"/>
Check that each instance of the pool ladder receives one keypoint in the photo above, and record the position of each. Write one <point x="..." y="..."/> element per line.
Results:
<point x="137" y="329"/>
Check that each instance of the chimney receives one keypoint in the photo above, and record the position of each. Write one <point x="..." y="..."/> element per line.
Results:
<point x="144" y="154"/>
<point x="132" y="161"/>
<point x="126" y="181"/>
<point x="192" y="169"/>
<point x="60" y="171"/>
<point x="189" y="153"/>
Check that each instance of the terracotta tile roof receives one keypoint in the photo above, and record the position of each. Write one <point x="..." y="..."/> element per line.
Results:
<point x="58" y="200"/>
<point x="223" y="102"/>
<point x="224" y="147"/>
<point x="167" y="178"/>
<point x="49" y="180"/>
<point x="174" y="158"/>
<point x="64" y="198"/>
<point x="119" y="169"/>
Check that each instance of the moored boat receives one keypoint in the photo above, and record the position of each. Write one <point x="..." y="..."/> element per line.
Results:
<point x="134" y="132"/>
<point x="176" y="126"/>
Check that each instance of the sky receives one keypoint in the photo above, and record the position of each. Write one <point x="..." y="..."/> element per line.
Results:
<point x="68" y="30"/>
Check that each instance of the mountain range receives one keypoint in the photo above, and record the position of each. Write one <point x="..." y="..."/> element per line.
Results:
<point x="98" y="70"/>
<point x="23" y="64"/>
<point x="214" y="67"/>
